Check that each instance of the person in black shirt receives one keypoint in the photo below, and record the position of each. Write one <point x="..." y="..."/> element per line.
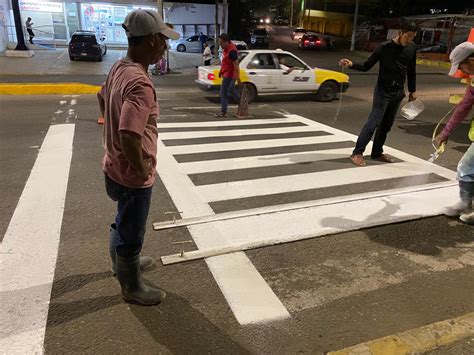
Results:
<point x="397" y="59"/>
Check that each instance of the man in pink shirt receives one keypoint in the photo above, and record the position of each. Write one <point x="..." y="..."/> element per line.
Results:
<point x="128" y="103"/>
<point x="462" y="59"/>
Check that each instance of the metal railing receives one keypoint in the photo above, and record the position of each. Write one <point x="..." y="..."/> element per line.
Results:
<point x="43" y="37"/>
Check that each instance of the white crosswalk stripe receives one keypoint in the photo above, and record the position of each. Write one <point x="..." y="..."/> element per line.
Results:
<point x="197" y="179"/>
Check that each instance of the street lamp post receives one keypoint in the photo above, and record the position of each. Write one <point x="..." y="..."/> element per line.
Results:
<point x="354" y="27"/>
<point x="21" y="46"/>
<point x="291" y="14"/>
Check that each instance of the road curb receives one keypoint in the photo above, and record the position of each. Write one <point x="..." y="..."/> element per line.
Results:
<point x="416" y="341"/>
<point x="48" y="89"/>
<point x="434" y="63"/>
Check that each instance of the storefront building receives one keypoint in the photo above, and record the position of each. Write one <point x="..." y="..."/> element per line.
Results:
<point x="56" y="21"/>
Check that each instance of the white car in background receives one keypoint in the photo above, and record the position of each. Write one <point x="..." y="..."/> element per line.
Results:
<point x="267" y="72"/>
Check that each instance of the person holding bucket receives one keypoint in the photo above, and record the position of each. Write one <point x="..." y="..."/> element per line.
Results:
<point x="397" y="59"/>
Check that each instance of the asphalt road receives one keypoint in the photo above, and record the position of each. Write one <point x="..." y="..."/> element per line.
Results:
<point x="339" y="290"/>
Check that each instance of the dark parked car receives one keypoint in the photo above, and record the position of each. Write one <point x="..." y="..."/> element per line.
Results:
<point x="310" y="41"/>
<point x="85" y="44"/>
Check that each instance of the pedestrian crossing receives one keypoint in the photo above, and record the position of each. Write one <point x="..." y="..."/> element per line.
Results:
<point x="275" y="189"/>
<point x="264" y="175"/>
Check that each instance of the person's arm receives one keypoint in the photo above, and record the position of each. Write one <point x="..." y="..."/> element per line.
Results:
<point x="100" y="98"/>
<point x="287" y="70"/>
<point x="367" y="65"/>
<point x="460" y="114"/>
<point x="235" y="61"/>
<point x="411" y="77"/>
<point x="136" y="109"/>
<point x="131" y="146"/>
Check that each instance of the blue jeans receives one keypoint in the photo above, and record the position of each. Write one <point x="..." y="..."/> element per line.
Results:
<point x="466" y="166"/>
<point x="227" y="89"/>
<point x="128" y="231"/>
<point x="380" y="121"/>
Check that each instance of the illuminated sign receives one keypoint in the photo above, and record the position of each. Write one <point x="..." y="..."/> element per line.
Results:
<point x="41" y="6"/>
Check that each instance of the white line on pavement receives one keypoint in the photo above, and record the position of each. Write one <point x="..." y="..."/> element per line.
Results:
<point x="317" y="180"/>
<point x="446" y="173"/>
<point x="268" y="143"/>
<point x="294" y="225"/>
<point x="235" y="132"/>
<point x="248" y="294"/>
<point x="30" y="246"/>
<point x="264" y="160"/>
<point x="225" y="123"/>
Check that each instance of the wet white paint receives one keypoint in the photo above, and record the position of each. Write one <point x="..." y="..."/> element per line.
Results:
<point x="30" y="246"/>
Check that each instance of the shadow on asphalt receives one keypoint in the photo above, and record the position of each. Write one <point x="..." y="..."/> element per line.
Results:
<point x="284" y="99"/>
<point x="179" y="327"/>
<point x="425" y="129"/>
<point x="401" y="235"/>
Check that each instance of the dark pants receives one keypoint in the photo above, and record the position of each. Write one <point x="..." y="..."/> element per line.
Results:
<point x="380" y="121"/>
<point x="128" y="231"/>
<point x="207" y="62"/>
<point x="31" y="34"/>
<point x="227" y="89"/>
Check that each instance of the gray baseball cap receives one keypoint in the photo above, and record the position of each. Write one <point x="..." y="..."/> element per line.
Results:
<point x="140" y="23"/>
<point x="458" y="54"/>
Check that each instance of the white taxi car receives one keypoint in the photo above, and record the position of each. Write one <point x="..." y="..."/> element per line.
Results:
<point x="267" y="72"/>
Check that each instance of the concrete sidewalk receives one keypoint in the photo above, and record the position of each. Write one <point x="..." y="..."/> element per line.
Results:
<point x="56" y="62"/>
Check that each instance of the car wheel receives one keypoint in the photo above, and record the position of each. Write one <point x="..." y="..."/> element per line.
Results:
<point x="105" y="51"/>
<point x="71" y="58"/>
<point x="251" y="90"/>
<point x="327" y="91"/>
<point x="99" y="59"/>
<point x="181" y="48"/>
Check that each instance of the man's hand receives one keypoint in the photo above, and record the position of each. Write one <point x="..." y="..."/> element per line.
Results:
<point x="346" y="63"/>
<point x="412" y="96"/>
<point x="220" y="73"/>
<point x="147" y="169"/>
<point x="439" y="140"/>
<point x="238" y="81"/>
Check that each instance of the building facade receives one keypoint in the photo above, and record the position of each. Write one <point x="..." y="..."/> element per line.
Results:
<point x="55" y="21"/>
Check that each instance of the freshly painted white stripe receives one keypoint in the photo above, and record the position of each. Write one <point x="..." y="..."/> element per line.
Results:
<point x="264" y="160"/>
<point x="299" y="182"/>
<point x="269" y="143"/>
<point x="225" y="123"/>
<point x="289" y="226"/>
<point x="248" y="295"/>
<point x="299" y="205"/>
<point x="235" y="133"/>
<point x="30" y="246"/>
<point x="448" y="174"/>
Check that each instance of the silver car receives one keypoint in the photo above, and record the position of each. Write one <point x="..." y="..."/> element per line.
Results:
<point x="191" y="44"/>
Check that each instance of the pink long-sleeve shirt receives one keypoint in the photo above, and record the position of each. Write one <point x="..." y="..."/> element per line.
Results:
<point x="461" y="112"/>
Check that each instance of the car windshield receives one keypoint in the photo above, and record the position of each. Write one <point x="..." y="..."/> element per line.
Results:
<point x="84" y="39"/>
<point x="311" y="38"/>
<point x="260" y="31"/>
<point x="300" y="30"/>
<point x="242" y="55"/>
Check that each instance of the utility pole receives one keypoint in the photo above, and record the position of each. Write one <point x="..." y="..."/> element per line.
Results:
<point x="224" y="15"/>
<point x="309" y="14"/>
<point x="21" y="46"/>
<point x="291" y="14"/>
<point x="216" y="37"/>
<point x="354" y="27"/>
